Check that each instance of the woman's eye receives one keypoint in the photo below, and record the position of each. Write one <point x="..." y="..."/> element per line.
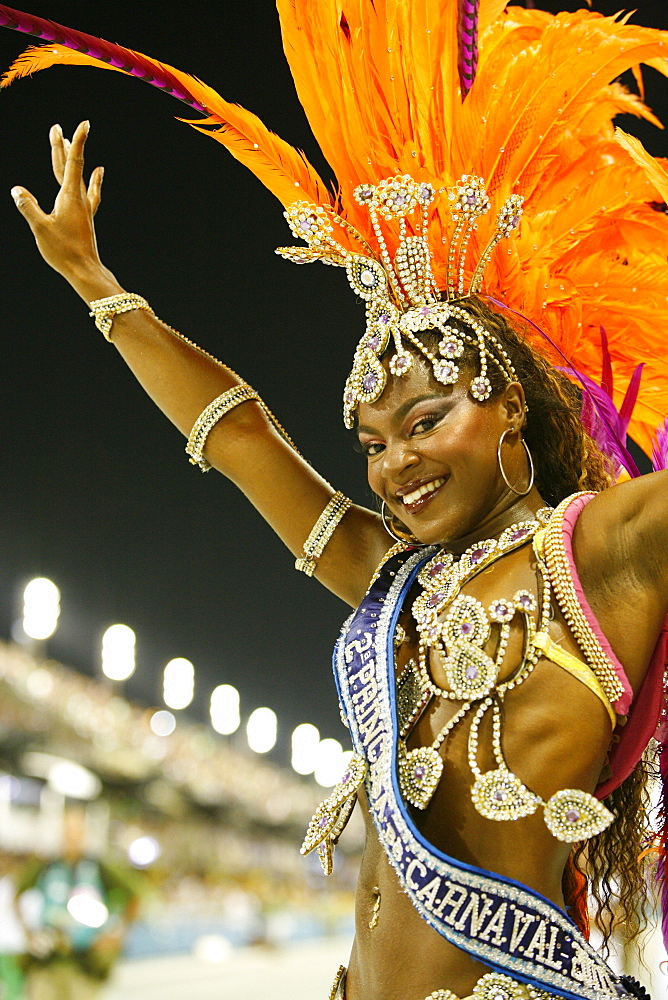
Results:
<point x="425" y="424"/>
<point x="371" y="448"/>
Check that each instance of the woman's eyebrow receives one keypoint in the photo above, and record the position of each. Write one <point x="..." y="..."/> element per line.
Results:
<point x="402" y="410"/>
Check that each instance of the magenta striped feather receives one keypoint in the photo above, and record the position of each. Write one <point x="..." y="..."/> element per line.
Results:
<point x="116" y="55"/>
<point x="660" y="449"/>
<point x="467" y="43"/>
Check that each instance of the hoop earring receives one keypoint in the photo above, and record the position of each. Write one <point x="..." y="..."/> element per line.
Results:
<point x="532" y="476"/>
<point x="408" y="538"/>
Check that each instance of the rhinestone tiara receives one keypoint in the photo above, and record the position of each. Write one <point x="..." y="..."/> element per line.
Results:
<point x="401" y="295"/>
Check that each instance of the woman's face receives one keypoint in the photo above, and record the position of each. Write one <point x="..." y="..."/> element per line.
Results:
<point x="432" y="454"/>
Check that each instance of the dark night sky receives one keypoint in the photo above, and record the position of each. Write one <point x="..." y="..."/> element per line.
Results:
<point x="96" y="491"/>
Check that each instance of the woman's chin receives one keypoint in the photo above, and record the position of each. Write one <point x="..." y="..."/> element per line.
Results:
<point x="446" y="530"/>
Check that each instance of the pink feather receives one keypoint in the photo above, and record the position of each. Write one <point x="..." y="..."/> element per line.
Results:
<point x="115" y="55"/>
<point x="467" y="43"/>
<point x="660" y="454"/>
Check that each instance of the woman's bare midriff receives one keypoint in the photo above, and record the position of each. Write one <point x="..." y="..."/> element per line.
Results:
<point x="556" y="735"/>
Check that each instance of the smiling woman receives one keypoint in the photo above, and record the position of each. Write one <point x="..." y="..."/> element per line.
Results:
<point x="531" y="429"/>
<point x="502" y="674"/>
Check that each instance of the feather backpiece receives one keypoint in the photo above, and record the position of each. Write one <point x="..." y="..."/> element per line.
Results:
<point x="382" y="85"/>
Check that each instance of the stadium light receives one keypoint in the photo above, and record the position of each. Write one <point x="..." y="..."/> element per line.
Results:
<point x="143" y="852"/>
<point x="261" y="730"/>
<point x="225" y="716"/>
<point x="118" y="653"/>
<point x="331" y="762"/>
<point x="178" y="683"/>
<point x="305" y="741"/>
<point x="41" y="608"/>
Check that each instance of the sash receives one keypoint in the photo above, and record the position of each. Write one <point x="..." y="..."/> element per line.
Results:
<point x="500" y="922"/>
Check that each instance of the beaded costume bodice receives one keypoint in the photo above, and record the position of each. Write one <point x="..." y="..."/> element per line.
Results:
<point x="451" y="634"/>
<point x="466" y="644"/>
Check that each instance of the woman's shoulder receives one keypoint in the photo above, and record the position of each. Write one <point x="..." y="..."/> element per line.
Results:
<point x="621" y="534"/>
<point x="618" y="542"/>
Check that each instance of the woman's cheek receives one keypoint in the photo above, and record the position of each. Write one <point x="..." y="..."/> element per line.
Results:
<point x="373" y="477"/>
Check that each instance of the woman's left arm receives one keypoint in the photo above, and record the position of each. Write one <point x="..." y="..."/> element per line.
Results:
<point x="620" y="545"/>
<point x="634" y="515"/>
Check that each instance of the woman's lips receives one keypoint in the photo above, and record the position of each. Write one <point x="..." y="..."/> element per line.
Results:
<point x="422" y="495"/>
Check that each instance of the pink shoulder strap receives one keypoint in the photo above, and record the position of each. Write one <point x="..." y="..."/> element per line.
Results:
<point x="644" y="712"/>
<point x="623" y="703"/>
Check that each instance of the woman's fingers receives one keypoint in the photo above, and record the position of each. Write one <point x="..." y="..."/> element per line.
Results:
<point x="74" y="163"/>
<point x="58" y="152"/>
<point x="66" y="237"/>
<point x="95" y="188"/>
<point x="29" y="208"/>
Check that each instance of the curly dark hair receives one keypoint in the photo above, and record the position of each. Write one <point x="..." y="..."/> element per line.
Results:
<point x="607" y="867"/>
<point x="612" y="862"/>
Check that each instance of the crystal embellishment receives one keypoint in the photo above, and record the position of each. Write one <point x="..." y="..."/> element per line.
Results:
<point x="496" y="986"/>
<point x="470" y="671"/>
<point x="331" y="816"/>
<point x="446" y="372"/>
<point x="572" y="815"/>
<point x="467" y="621"/>
<point x="398" y="275"/>
<point x="500" y="795"/>
<point x="419" y="774"/>
<point x="502" y="611"/>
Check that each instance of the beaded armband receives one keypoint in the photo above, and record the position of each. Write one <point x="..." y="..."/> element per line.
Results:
<point x="104" y="311"/>
<point x="558" y="567"/>
<point x="210" y="416"/>
<point x="322" y="531"/>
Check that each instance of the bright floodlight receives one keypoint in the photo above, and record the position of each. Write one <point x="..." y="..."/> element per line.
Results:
<point x="261" y="730"/>
<point x="305" y="740"/>
<point x="330" y="763"/>
<point x="225" y="717"/>
<point x="41" y="608"/>
<point x="163" y="723"/>
<point x="118" y="653"/>
<point x="178" y="683"/>
<point x="143" y="851"/>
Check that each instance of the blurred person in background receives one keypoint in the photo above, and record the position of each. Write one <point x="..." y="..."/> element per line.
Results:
<point x="12" y="937"/>
<point x="75" y="911"/>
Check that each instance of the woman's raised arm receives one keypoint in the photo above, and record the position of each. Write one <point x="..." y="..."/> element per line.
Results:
<point x="245" y="445"/>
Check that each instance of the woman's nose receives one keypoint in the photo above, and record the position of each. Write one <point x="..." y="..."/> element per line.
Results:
<point x="398" y="459"/>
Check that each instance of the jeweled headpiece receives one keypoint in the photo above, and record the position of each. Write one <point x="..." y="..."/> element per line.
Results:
<point x="401" y="294"/>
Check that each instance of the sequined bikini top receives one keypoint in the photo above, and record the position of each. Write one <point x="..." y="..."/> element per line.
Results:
<point x="472" y="641"/>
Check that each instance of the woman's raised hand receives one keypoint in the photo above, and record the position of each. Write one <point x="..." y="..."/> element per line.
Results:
<point x="66" y="237"/>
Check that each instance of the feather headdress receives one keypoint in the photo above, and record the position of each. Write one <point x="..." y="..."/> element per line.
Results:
<point x="437" y="89"/>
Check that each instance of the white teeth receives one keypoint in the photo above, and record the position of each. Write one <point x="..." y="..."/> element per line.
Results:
<point x="422" y="490"/>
